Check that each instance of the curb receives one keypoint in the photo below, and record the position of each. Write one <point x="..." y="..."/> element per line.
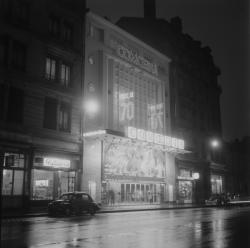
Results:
<point x="43" y="214"/>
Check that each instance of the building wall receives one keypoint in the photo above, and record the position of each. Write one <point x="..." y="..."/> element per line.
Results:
<point x="122" y="72"/>
<point x="25" y="43"/>
<point x="194" y="90"/>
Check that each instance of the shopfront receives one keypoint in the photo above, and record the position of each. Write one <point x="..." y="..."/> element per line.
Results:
<point x="52" y="176"/>
<point x="14" y="178"/>
<point x="217" y="184"/>
<point x="132" y="173"/>
<point x="187" y="188"/>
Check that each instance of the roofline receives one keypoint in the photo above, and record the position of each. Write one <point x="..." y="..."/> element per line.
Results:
<point x="113" y="26"/>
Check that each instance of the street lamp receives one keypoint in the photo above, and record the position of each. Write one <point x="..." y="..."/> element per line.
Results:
<point x="215" y="143"/>
<point x="90" y="106"/>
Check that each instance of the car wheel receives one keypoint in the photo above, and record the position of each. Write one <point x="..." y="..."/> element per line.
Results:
<point x="92" y="211"/>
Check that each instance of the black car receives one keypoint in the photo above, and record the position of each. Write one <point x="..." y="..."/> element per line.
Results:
<point x="217" y="200"/>
<point x="73" y="203"/>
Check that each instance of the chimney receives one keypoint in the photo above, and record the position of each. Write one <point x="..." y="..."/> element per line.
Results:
<point x="149" y="9"/>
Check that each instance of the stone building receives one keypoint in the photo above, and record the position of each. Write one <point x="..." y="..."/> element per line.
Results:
<point x="195" y="101"/>
<point x="41" y="77"/>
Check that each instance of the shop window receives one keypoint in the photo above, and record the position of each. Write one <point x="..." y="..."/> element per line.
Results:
<point x="15" y="105"/>
<point x="64" y="117"/>
<point x="68" y="32"/>
<point x="43" y="183"/>
<point x="50" y="69"/>
<point x="13" y="174"/>
<point x="54" y="26"/>
<point x="50" y="113"/>
<point x="48" y="185"/>
<point x="65" y="74"/>
<point x="13" y="160"/>
<point x="18" y="55"/>
<point x="216" y="184"/>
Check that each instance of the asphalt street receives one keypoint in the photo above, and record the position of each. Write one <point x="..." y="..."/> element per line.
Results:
<point x="204" y="227"/>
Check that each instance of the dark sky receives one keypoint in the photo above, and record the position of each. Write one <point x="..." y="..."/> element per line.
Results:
<point x="224" y="25"/>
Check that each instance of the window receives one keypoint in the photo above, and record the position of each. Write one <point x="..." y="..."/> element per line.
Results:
<point x="54" y="26"/>
<point x="57" y="115"/>
<point x="67" y="32"/>
<point x="65" y="75"/>
<point x="21" y="12"/>
<point x="18" y="55"/>
<point x="15" y="105"/>
<point x="50" y="113"/>
<point x="97" y="33"/>
<point x="13" y="174"/>
<point x="3" y="93"/>
<point x="50" y="73"/>
<point x="64" y="117"/>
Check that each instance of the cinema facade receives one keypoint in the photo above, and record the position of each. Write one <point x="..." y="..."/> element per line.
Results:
<point x="129" y="153"/>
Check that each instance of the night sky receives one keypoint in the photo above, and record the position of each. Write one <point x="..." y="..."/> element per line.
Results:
<point x="221" y="24"/>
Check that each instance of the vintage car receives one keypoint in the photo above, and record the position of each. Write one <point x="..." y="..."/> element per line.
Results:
<point x="73" y="203"/>
<point x="217" y="200"/>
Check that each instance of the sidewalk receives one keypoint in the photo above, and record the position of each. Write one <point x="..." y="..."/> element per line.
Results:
<point x="40" y="212"/>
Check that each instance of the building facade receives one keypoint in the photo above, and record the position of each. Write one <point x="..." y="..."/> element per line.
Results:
<point x="41" y="60"/>
<point x="194" y="101"/>
<point x="128" y="148"/>
<point x="239" y="151"/>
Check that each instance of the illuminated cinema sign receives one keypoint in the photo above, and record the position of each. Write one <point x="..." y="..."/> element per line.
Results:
<point x="159" y="139"/>
<point x="136" y="59"/>
<point x="56" y="163"/>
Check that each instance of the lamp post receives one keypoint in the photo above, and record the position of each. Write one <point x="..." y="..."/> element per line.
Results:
<point x="90" y="107"/>
<point x="196" y="176"/>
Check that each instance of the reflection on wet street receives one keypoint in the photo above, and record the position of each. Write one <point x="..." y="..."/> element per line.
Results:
<point x="209" y="227"/>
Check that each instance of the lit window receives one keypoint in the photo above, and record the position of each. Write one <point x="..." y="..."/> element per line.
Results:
<point x="50" y="69"/>
<point x="65" y="75"/>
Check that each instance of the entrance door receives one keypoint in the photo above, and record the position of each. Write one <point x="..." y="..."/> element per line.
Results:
<point x="92" y="189"/>
<point x="170" y="193"/>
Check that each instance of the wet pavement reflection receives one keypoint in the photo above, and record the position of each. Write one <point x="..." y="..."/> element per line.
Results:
<point x="208" y="227"/>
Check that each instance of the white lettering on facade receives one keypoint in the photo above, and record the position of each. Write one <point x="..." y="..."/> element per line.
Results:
<point x="136" y="59"/>
<point x="56" y="163"/>
<point x="156" y="138"/>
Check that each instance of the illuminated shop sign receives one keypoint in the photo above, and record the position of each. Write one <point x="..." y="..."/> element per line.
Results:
<point x="56" y="163"/>
<point x="94" y="133"/>
<point x="195" y="176"/>
<point x="42" y="183"/>
<point x="136" y="59"/>
<point x="159" y="139"/>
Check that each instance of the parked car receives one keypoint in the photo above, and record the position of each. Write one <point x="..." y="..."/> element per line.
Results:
<point x="73" y="203"/>
<point x="239" y="200"/>
<point x="217" y="200"/>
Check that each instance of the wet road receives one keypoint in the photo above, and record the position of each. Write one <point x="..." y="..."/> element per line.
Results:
<point x="209" y="227"/>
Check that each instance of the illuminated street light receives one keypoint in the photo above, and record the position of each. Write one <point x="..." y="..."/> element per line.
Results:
<point x="215" y="143"/>
<point x="91" y="106"/>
